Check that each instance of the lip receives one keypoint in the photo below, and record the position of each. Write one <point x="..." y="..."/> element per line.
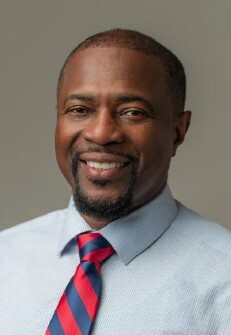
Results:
<point x="103" y="158"/>
<point x="101" y="174"/>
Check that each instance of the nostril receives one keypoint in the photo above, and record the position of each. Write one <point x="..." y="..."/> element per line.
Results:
<point x="104" y="136"/>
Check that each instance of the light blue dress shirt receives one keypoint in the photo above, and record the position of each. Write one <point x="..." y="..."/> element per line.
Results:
<point x="171" y="273"/>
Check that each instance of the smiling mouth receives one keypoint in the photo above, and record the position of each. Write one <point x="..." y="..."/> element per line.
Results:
<point x="104" y="165"/>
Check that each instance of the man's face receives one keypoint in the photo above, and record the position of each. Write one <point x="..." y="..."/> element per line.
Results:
<point x="116" y="130"/>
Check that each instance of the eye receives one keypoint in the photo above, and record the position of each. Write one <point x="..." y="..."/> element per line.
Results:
<point x="78" y="111"/>
<point x="134" y="114"/>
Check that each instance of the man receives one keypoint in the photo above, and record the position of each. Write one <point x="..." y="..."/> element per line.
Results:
<point x="120" y="120"/>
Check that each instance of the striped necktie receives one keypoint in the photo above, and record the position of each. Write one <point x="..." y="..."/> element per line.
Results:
<point x="77" y="308"/>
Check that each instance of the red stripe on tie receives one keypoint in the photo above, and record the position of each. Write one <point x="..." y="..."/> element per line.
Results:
<point x="85" y="238"/>
<point x="84" y="288"/>
<point x="98" y="255"/>
<point x="86" y="292"/>
<point x="66" y="318"/>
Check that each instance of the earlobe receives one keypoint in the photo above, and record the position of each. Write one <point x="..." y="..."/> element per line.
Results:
<point x="182" y="125"/>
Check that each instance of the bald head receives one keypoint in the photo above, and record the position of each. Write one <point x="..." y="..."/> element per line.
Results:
<point x="129" y="39"/>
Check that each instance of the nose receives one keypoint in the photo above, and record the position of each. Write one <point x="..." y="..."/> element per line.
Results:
<point x="103" y="128"/>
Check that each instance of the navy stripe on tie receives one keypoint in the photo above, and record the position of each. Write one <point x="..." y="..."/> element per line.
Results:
<point x="77" y="308"/>
<point x="93" y="245"/>
<point x="93" y="276"/>
<point x="57" y="329"/>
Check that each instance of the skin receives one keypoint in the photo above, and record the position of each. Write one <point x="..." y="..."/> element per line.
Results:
<point x="95" y="110"/>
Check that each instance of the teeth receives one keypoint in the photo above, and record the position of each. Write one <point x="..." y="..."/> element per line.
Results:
<point x="104" y="166"/>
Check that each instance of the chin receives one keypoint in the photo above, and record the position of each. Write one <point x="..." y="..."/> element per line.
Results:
<point x="103" y="205"/>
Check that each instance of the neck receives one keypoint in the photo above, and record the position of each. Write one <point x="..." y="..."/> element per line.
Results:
<point x="99" y="223"/>
<point x="95" y="223"/>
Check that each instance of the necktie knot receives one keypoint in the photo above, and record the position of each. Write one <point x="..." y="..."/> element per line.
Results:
<point x="93" y="247"/>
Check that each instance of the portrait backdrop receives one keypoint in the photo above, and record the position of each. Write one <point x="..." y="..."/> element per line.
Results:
<point x="36" y="37"/>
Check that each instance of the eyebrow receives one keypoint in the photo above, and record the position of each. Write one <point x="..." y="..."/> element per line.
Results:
<point x="126" y="98"/>
<point x="81" y="97"/>
<point x="119" y="98"/>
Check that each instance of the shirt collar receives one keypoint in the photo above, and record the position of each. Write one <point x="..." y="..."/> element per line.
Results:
<point x="131" y="234"/>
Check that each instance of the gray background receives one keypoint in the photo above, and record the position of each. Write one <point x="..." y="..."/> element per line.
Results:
<point x="36" y="36"/>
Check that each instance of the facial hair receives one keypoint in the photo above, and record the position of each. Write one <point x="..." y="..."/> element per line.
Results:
<point x="104" y="208"/>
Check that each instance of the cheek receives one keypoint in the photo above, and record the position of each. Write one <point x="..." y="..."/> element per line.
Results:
<point x="155" y="151"/>
<point x="60" y="141"/>
<point x="63" y="140"/>
<point x="64" y="136"/>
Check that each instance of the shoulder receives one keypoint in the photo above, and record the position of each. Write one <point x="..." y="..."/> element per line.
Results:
<point x="203" y="230"/>
<point x="41" y="225"/>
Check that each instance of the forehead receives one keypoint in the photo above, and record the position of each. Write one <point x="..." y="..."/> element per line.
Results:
<point x="113" y="68"/>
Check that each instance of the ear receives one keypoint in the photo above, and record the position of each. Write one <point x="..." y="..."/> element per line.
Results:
<point x="181" y="127"/>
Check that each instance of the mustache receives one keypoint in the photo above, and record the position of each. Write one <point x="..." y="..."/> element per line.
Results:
<point x="75" y="156"/>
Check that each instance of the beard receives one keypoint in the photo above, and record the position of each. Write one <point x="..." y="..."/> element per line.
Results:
<point x="110" y="209"/>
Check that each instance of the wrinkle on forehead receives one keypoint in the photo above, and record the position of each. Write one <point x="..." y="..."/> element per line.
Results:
<point x="117" y="63"/>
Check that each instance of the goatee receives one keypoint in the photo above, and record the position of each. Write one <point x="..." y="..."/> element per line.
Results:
<point x="104" y="208"/>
